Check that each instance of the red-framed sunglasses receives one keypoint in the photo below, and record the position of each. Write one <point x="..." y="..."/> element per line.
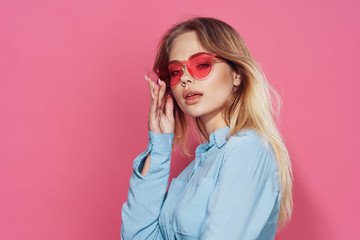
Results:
<point x="199" y="66"/>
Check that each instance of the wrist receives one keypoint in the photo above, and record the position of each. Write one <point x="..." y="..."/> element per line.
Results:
<point x="161" y="142"/>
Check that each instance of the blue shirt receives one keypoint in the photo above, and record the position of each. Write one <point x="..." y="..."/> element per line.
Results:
<point x="231" y="190"/>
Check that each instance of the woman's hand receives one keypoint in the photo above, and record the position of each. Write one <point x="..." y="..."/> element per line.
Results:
<point x="161" y="116"/>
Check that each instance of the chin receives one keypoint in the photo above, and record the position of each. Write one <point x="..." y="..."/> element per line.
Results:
<point x="196" y="112"/>
<point x="193" y="113"/>
<point x="201" y="111"/>
<point x="191" y="110"/>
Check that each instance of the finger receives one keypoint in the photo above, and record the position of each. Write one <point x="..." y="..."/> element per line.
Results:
<point x="155" y="100"/>
<point x="161" y="94"/>
<point x="153" y="104"/>
<point x="151" y="86"/>
<point x="152" y="110"/>
<point x="156" y="91"/>
<point x="169" y="108"/>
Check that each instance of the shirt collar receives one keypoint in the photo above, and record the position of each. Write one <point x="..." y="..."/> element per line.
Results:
<point x="218" y="137"/>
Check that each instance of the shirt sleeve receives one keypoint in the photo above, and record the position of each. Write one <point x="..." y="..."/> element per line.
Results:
<point x="146" y="194"/>
<point x="244" y="196"/>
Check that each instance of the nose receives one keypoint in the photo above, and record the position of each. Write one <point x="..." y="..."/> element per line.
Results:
<point x="186" y="76"/>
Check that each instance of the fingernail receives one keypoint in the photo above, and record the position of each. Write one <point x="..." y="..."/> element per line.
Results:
<point x="159" y="82"/>
<point x="145" y="77"/>
<point x="153" y="84"/>
<point x="152" y="95"/>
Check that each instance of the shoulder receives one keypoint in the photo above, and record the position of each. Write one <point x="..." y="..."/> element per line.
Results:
<point x="247" y="137"/>
<point x="249" y="147"/>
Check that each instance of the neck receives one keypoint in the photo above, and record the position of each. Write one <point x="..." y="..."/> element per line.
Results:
<point x="213" y="124"/>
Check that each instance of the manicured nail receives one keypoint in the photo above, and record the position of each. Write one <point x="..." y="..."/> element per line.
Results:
<point x="159" y="82"/>
<point x="145" y="77"/>
<point x="153" y="84"/>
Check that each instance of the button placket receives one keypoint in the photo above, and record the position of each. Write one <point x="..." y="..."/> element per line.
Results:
<point x="201" y="155"/>
<point x="197" y="161"/>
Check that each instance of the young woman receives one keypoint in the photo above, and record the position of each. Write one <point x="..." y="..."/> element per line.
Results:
<point x="239" y="184"/>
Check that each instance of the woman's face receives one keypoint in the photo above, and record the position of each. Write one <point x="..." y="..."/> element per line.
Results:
<point x="211" y="92"/>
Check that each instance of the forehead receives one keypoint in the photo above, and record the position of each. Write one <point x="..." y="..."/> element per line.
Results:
<point x="184" y="46"/>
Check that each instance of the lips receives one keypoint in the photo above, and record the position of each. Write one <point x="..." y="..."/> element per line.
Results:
<point x="191" y="96"/>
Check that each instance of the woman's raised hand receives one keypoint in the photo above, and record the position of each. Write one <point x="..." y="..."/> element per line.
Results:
<point x="161" y="116"/>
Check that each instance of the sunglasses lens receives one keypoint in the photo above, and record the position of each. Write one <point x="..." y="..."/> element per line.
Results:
<point x="163" y="73"/>
<point x="200" y="66"/>
<point x="175" y="71"/>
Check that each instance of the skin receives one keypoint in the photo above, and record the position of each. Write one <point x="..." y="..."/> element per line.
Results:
<point x="216" y="88"/>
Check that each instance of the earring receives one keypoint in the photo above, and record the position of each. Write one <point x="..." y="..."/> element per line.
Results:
<point x="234" y="88"/>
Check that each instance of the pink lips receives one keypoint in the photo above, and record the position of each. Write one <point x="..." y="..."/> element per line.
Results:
<point x="191" y="96"/>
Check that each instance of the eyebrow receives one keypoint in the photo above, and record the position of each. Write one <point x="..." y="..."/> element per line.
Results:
<point x="189" y="56"/>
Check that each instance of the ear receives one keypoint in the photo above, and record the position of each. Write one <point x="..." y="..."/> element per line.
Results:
<point x="236" y="79"/>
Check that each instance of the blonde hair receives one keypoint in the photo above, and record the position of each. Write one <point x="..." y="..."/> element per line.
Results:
<point x="249" y="106"/>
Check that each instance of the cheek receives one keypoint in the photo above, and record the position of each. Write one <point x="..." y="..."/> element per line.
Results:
<point x="177" y="95"/>
<point x="222" y="85"/>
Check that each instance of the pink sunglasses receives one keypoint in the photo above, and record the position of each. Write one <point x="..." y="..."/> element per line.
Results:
<point x="199" y="66"/>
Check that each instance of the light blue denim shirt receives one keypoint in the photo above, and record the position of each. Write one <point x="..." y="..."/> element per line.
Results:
<point x="230" y="190"/>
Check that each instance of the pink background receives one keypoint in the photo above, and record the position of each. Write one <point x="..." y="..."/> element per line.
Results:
<point x="74" y="103"/>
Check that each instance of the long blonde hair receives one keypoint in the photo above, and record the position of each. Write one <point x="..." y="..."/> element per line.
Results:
<point x="249" y="106"/>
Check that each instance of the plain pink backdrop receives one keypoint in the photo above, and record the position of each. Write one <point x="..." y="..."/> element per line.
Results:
<point x="74" y="103"/>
